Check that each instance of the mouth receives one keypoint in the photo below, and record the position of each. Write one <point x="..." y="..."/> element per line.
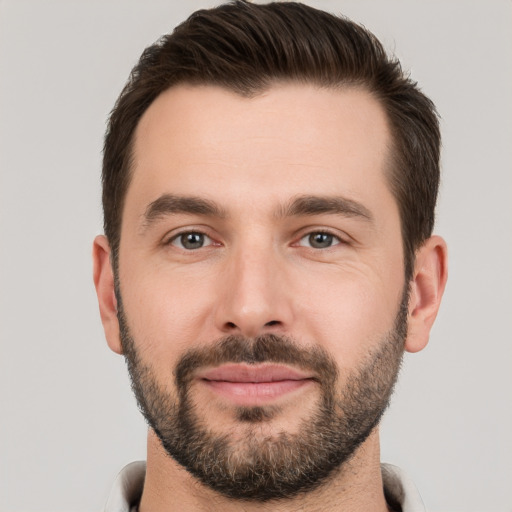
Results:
<point x="257" y="385"/>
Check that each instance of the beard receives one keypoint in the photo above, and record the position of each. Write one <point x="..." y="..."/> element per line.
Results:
<point x="255" y="466"/>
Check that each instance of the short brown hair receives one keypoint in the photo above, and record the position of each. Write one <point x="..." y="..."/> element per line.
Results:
<point x="246" y="48"/>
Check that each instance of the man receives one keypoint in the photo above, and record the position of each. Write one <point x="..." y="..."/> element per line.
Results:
<point x="269" y="185"/>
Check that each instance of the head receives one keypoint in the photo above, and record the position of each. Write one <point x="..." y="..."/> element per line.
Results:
<point x="246" y="48"/>
<point x="269" y="184"/>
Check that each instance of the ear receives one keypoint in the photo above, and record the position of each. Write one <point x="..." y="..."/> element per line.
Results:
<point x="427" y="287"/>
<point x="104" y="283"/>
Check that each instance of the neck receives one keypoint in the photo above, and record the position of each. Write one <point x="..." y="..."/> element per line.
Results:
<point x="357" y="487"/>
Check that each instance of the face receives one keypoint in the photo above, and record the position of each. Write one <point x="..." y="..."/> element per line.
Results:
<point x="261" y="281"/>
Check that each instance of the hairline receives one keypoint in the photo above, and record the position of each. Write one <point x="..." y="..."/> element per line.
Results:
<point x="391" y="158"/>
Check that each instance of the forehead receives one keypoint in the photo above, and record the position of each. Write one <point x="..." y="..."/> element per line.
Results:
<point x="291" y="139"/>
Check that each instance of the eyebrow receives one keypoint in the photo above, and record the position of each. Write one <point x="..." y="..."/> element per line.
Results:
<point x="170" y="204"/>
<point x="317" y="205"/>
<point x="307" y="205"/>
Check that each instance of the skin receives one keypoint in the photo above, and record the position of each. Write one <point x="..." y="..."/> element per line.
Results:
<point x="257" y="272"/>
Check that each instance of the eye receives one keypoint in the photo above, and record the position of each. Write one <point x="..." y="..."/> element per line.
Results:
<point x="191" y="240"/>
<point x="319" y="240"/>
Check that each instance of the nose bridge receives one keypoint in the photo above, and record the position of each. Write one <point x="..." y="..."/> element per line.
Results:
<point x="255" y="298"/>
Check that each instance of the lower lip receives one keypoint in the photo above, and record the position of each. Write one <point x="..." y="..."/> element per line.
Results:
<point x="255" y="393"/>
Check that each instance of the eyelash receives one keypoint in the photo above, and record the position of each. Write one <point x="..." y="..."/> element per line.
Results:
<point x="335" y="239"/>
<point x="178" y="236"/>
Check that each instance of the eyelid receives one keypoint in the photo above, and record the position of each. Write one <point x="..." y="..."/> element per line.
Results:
<point x="176" y="241"/>
<point x="175" y="234"/>
<point x="336" y="240"/>
<point x="341" y="237"/>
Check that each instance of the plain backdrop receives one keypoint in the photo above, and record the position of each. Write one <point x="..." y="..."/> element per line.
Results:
<point x="68" y="422"/>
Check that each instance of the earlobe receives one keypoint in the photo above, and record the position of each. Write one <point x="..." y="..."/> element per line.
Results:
<point x="104" y="283"/>
<point x="426" y="291"/>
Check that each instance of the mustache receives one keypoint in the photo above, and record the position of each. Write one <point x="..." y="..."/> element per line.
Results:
<point x="267" y="348"/>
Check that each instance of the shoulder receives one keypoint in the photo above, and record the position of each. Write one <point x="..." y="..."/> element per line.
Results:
<point x="127" y="488"/>
<point x="400" y="491"/>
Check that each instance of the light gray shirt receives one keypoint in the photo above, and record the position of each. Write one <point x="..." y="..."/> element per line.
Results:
<point x="127" y="489"/>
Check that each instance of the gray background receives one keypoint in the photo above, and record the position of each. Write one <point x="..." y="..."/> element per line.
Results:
<point x="68" y="422"/>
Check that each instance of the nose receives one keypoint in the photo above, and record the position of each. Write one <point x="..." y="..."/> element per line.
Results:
<point x="254" y="298"/>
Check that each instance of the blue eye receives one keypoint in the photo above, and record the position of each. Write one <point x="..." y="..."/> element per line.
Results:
<point x="319" y="240"/>
<point x="191" y="240"/>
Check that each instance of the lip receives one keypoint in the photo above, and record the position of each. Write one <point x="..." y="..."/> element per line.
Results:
<point x="248" y="385"/>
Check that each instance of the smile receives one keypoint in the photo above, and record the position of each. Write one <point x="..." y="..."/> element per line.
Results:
<point x="246" y="385"/>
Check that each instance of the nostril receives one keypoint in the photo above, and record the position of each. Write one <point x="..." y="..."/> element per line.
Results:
<point x="249" y="329"/>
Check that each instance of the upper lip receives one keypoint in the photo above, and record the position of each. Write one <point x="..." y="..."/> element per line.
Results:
<point x="253" y="373"/>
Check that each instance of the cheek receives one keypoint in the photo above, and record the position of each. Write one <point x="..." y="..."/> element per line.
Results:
<point x="166" y="313"/>
<point x="350" y="315"/>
